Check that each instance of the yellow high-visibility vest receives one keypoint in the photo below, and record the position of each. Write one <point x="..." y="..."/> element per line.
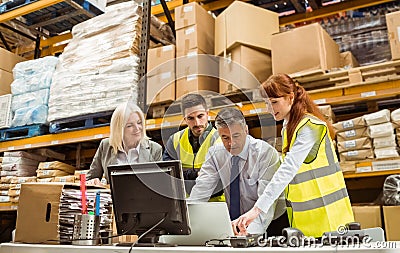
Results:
<point x="184" y="149"/>
<point x="317" y="197"/>
<point x="185" y="153"/>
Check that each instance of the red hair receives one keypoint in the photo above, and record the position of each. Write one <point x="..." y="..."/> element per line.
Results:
<point x="281" y="85"/>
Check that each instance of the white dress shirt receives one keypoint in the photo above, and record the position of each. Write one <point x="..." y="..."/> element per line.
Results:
<point x="258" y="163"/>
<point x="128" y="158"/>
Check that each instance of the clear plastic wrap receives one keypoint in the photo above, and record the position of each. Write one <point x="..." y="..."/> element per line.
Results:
<point x="30" y="116"/>
<point x="391" y="190"/>
<point x="32" y="83"/>
<point x="90" y="79"/>
<point x="26" y="69"/>
<point x="30" y="99"/>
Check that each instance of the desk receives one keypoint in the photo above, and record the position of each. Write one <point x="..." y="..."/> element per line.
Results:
<point x="41" y="248"/>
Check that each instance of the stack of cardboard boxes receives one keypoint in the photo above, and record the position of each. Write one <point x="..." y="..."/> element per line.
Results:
<point x="7" y="63"/>
<point x="245" y="45"/>
<point x="196" y="69"/>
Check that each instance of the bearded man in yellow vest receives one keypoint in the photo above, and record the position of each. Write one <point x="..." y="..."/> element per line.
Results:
<point x="191" y="144"/>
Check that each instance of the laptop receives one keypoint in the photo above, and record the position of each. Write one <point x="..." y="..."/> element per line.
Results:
<point x="208" y="220"/>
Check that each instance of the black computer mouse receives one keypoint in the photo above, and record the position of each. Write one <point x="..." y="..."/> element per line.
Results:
<point x="294" y="237"/>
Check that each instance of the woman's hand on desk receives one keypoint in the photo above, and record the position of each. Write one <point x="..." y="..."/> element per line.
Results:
<point x="94" y="181"/>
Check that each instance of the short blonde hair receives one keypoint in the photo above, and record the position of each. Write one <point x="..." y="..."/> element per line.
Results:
<point x="118" y="120"/>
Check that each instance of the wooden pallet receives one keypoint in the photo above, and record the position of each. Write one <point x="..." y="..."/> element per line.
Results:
<point x="375" y="73"/>
<point x="81" y="122"/>
<point x="238" y="96"/>
<point x="22" y="132"/>
<point x="213" y="102"/>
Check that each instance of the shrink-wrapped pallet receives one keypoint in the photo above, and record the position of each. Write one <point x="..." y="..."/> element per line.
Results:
<point x="99" y="67"/>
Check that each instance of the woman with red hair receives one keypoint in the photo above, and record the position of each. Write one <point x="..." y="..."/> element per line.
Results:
<point x="316" y="195"/>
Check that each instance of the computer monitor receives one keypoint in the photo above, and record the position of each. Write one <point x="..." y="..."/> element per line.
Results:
<point x="143" y="194"/>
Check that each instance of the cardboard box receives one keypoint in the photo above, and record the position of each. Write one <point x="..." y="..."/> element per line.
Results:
<point x="195" y="62"/>
<point x="243" y="68"/>
<point x="191" y="14"/>
<point x="160" y="60"/>
<point x="6" y="78"/>
<point x="393" y="26"/>
<point x="38" y="211"/>
<point x="195" y="83"/>
<point x="161" y="88"/>
<point x="355" y="76"/>
<point x="8" y="60"/>
<point x="347" y="60"/>
<point x="368" y="216"/>
<point x="199" y="36"/>
<point x="305" y="49"/>
<point x="161" y="74"/>
<point x="243" y="23"/>
<point x="392" y="221"/>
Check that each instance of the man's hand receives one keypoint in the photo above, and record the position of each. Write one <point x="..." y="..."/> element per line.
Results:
<point x="94" y="181"/>
<point x="240" y="224"/>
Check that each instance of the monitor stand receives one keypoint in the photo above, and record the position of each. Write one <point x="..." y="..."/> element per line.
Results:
<point x="149" y="240"/>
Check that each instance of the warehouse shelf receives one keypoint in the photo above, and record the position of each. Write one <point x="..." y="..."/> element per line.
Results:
<point x="98" y="133"/>
<point x="356" y="92"/>
<point x="371" y="174"/>
<point x="49" y="140"/>
<point x="176" y="120"/>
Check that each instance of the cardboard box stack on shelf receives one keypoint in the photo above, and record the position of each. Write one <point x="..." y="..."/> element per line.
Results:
<point x="194" y="40"/>
<point x="161" y="74"/>
<point x="381" y="130"/>
<point x="7" y="63"/>
<point x="245" y="48"/>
